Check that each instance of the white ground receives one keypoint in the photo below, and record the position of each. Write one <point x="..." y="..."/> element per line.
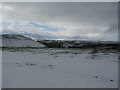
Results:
<point x="0" y="69"/>
<point x="59" y="68"/>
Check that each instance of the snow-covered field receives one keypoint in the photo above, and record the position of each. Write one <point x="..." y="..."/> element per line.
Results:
<point x="59" y="68"/>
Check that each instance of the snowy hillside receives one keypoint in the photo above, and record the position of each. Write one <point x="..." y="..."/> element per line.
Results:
<point x="62" y="66"/>
<point x="10" y="40"/>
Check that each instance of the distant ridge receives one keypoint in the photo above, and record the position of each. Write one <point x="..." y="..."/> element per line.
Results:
<point x="77" y="43"/>
<point x="14" y="40"/>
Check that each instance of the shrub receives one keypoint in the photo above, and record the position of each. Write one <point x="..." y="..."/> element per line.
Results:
<point x="94" y="51"/>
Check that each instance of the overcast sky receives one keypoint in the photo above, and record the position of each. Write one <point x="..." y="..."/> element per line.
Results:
<point x="59" y="0"/>
<point x="62" y="20"/>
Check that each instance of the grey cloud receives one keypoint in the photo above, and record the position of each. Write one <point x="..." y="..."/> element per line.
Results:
<point x="60" y="1"/>
<point x="68" y="14"/>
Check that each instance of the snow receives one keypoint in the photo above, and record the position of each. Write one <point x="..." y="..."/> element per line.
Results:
<point x="19" y="41"/>
<point x="0" y="63"/>
<point x="1" y="69"/>
<point x="59" y="68"/>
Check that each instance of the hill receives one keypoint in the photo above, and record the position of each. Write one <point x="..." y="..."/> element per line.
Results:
<point x="11" y="40"/>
